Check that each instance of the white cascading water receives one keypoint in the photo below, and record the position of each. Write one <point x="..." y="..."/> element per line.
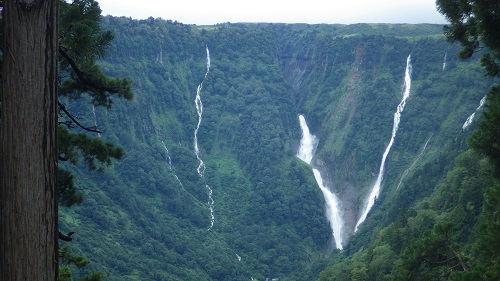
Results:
<point x="170" y="164"/>
<point x="95" y="120"/>
<point x="211" y="204"/>
<point x="201" y="166"/>
<point x="471" y="117"/>
<point x="308" y="142"/>
<point x="397" y="117"/>
<point x="199" y="110"/>
<point x="168" y="156"/>
<point x="444" y="60"/>
<point x="159" y="57"/>
<point x="414" y="163"/>
<point x="332" y="210"/>
<point x="306" y="151"/>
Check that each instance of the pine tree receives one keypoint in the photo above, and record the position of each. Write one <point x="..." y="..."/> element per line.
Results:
<point x="81" y="43"/>
<point x="475" y="25"/>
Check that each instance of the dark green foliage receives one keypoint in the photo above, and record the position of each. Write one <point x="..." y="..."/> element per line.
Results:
<point x="66" y="257"/>
<point x="92" y="150"/>
<point x="81" y="43"/>
<point x="435" y="256"/>
<point x="95" y="154"/>
<point x="486" y="139"/>
<point x="68" y="260"/>
<point x="473" y="23"/>
<point x="80" y="30"/>
<point x="68" y="194"/>
<point x="487" y="248"/>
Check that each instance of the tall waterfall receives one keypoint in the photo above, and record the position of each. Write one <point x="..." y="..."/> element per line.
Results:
<point x="199" y="110"/>
<point x="306" y="151"/>
<point x="397" y="116"/>
<point x="201" y="166"/>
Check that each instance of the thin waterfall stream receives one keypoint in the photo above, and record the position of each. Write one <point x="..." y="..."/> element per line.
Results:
<point x="201" y="166"/>
<point x="169" y="159"/>
<point x="444" y="60"/>
<point x="471" y="117"/>
<point x="397" y="117"/>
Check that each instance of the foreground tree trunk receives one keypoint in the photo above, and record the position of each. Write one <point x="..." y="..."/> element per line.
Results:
<point x="28" y="152"/>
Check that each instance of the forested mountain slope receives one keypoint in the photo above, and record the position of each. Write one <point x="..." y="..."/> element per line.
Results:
<point x="245" y="206"/>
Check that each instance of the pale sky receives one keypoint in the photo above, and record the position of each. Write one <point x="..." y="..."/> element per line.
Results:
<point x="209" y="12"/>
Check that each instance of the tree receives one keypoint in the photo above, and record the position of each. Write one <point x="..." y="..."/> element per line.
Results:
<point x="28" y="153"/>
<point x="475" y="24"/>
<point x="81" y="43"/>
<point x="432" y="257"/>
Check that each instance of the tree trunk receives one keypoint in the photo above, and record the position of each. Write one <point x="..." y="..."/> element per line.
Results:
<point x="28" y="152"/>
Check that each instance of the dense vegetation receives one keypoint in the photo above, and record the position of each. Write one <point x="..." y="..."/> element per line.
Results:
<point x="147" y="218"/>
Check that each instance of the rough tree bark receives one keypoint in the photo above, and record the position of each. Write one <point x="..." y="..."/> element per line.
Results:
<point x="28" y="152"/>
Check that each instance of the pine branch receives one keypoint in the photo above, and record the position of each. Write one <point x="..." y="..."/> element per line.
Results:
<point x="63" y="108"/>
<point x="458" y="257"/>
<point x="81" y="75"/>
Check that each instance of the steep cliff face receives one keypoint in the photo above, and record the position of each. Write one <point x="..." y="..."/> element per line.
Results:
<point x="349" y="85"/>
<point x="267" y="210"/>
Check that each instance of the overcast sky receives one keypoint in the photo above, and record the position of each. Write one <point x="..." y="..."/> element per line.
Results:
<point x="209" y="12"/>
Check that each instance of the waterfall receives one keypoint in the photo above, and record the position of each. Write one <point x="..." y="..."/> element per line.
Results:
<point x="413" y="164"/>
<point x="332" y="210"/>
<point x="199" y="110"/>
<point x="201" y="166"/>
<point x="211" y="203"/>
<point x="306" y="151"/>
<point x="444" y="60"/>
<point x="168" y="156"/>
<point x="308" y="142"/>
<point x="471" y="117"/>
<point x="169" y="160"/>
<point x="95" y="120"/>
<point x="160" y="56"/>
<point x="397" y="116"/>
